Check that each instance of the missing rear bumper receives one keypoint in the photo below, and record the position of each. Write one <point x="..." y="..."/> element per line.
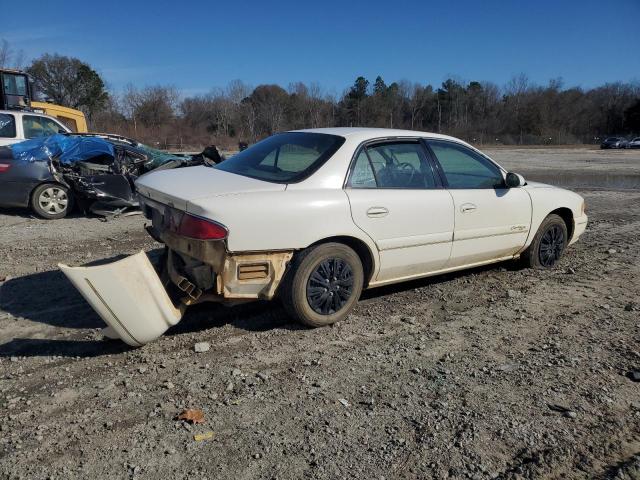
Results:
<point x="129" y="296"/>
<point x="132" y="300"/>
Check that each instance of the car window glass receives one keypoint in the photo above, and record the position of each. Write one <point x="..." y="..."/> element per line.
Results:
<point x="283" y="158"/>
<point x="14" y="84"/>
<point x="464" y="168"/>
<point x="401" y="165"/>
<point x="270" y="159"/>
<point x="7" y="126"/>
<point x="35" y="127"/>
<point x="362" y="174"/>
<point x="70" y="123"/>
<point x="292" y="157"/>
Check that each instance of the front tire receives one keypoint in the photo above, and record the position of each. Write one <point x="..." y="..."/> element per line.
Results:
<point x="323" y="284"/>
<point x="51" y="201"/>
<point x="548" y="245"/>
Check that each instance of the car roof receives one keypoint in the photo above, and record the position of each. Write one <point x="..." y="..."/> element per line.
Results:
<point x="28" y="112"/>
<point x="367" y="133"/>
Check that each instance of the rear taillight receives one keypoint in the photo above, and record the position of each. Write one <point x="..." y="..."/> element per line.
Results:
<point x="201" y="229"/>
<point x="4" y="167"/>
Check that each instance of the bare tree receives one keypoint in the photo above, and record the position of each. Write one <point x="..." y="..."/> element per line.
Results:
<point x="10" y="58"/>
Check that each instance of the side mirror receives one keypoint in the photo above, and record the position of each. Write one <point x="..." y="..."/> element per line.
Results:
<point x="514" y="180"/>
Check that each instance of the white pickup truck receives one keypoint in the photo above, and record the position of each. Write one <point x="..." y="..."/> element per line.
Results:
<point x="17" y="126"/>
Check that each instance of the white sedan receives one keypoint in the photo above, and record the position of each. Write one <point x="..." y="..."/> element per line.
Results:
<point x="313" y="217"/>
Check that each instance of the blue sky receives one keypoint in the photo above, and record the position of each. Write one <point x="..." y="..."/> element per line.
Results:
<point x="196" y="45"/>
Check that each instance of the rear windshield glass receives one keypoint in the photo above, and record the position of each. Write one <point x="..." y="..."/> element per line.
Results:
<point x="284" y="158"/>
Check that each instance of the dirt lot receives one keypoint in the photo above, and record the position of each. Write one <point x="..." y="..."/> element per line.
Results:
<point x="493" y="373"/>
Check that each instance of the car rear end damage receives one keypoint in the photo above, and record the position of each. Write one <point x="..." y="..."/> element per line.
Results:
<point x="129" y="296"/>
<point x="140" y="302"/>
<point x="203" y="269"/>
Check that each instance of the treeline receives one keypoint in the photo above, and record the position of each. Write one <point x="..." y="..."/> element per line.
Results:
<point x="479" y="112"/>
<point x="519" y="112"/>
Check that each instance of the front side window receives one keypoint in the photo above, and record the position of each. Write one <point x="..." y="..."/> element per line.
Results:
<point x="35" y="126"/>
<point x="392" y="165"/>
<point x="7" y="126"/>
<point x="284" y="158"/>
<point x="464" y="168"/>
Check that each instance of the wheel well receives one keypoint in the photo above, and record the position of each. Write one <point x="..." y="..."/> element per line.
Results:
<point x="361" y="248"/>
<point x="567" y="215"/>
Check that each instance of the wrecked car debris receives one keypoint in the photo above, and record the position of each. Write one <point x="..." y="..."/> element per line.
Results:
<point x="105" y="286"/>
<point x="95" y="171"/>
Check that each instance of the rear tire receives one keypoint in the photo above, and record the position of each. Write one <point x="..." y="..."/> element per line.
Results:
<point x="51" y="201"/>
<point x="323" y="284"/>
<point x="548" y="245"/>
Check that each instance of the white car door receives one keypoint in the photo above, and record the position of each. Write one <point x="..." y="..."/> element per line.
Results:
<point x="398" y="200"/>
<point x="491" y="220"/>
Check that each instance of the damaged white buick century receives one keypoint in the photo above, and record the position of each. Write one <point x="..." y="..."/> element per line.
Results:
<point x="313" y="217"/>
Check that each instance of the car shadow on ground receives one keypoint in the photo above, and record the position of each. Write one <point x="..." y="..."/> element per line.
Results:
<point x="21" y="212"/>
<point x="27" y="214"/>
<point x="49" y="298"/>
<point x="379" y="292"/>
<point x="258" y="316"/>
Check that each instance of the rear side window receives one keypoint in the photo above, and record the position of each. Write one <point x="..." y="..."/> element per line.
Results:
<point x="35" y="126"/>
<point x="392" y="165"/>
<point x="7" y="126"/>
<point x="465" y="169"/>
<point x="70" y="123"/>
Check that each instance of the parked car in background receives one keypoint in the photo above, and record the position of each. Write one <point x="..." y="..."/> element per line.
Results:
<point x="313" y="217"/>
<point x="95" y="171"/>
<point x="614" y="142"/>
<point x="634" y="143"/>
<point x="17" y="126"/>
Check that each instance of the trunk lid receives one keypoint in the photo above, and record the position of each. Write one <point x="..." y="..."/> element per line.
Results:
<point x="178" y="187"/>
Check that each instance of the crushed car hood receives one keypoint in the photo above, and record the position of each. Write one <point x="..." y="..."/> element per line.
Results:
<point x="178" y="187"/>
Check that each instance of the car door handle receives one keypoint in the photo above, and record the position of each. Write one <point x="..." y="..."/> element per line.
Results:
<point x="467" y="207"/>
<point x="376" y="212"/>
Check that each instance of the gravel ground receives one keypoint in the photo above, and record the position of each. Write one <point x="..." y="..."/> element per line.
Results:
<point x="491" y="373"/>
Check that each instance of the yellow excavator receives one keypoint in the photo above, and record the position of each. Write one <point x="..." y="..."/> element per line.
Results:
<point x="16" y="93"/>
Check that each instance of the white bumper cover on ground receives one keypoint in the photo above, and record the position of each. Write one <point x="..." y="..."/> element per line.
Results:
<point x="129" y="296"/>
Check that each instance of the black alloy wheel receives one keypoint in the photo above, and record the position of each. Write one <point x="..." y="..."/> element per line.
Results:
<point x="551" y="246"/>
<point x="330" y="286"/>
